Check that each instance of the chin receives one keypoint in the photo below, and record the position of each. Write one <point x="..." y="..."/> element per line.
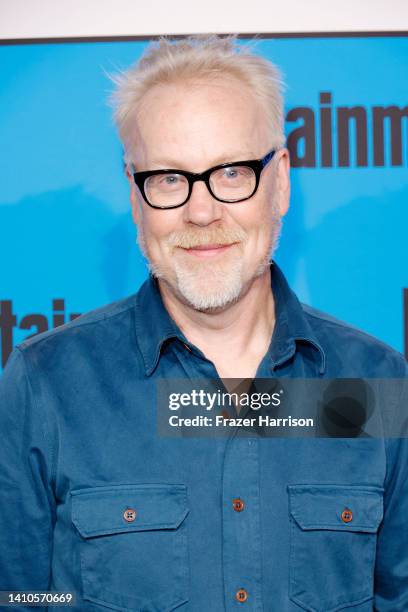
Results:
<point x="209" y="286"/>
<point x="211" y="300"/>
<point x="213" y="288"/>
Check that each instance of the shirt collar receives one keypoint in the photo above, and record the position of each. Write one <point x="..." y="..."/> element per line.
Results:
<point x="291" y="325"/>
<point x="154" y="326"/>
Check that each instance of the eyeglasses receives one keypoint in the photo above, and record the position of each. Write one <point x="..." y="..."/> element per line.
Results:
<point x="230" y="183"/>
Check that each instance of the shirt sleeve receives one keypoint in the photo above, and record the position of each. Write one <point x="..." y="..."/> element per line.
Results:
<point x="391" y="575"/>
<point x="27" y="504"/>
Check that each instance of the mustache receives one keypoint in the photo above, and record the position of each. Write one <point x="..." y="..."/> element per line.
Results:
<point x="188" y="239"/>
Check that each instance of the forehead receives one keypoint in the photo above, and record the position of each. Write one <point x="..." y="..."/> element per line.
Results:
<point x="198" y="124"/>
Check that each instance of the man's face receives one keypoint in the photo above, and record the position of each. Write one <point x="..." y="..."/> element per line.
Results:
<point x="207" y="252"/>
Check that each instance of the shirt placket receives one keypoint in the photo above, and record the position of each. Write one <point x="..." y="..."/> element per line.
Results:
<point x="241" y="524"/>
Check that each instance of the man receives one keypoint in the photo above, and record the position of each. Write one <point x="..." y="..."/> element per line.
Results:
<point x="93" y="500"/>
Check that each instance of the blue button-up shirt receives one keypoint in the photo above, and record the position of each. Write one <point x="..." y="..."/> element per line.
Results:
<point x="94" y="502"/>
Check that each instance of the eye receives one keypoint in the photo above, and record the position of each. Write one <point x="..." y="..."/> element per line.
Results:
<point x="170" y="179"/>
<point x="231" y="173"/>
<point x="165" y="182"/>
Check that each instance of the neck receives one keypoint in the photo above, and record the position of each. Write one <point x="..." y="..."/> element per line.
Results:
<point x="242" y="329"/>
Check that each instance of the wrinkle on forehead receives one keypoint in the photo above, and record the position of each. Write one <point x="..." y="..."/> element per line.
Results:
<point x="199" y="124"/>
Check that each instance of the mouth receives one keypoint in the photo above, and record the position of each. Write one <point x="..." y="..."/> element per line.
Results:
<point x="208" y="250"/>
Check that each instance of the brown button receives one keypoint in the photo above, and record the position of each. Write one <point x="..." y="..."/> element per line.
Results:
<point x="129" y="515"/>
<point x="347" y="515"/>
<point x="241" y="595"/>
<point x="238" y="504"/>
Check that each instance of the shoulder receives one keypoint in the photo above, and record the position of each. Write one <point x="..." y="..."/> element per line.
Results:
<point x="99" y="335"/>
<point x="351" y="351"/>
<point x="90" y="322"/>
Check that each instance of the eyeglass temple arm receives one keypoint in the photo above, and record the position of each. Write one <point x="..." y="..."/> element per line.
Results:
<point x="268" y="158"/>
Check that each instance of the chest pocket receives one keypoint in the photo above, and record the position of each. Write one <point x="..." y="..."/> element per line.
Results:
<point x="333" y="544"/>
<point x="133" y="545"/>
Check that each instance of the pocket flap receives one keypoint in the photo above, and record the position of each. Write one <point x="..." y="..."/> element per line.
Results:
<point x="101" y="510"/>
<point x="348" y="508"/>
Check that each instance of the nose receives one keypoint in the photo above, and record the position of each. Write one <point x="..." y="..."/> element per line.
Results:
<point x="202" y="209"/>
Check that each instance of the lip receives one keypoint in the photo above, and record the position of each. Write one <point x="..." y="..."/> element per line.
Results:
<point x="208" y="250"/>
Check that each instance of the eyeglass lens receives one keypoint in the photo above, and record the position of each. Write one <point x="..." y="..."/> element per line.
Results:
<point x="229" y="184"/>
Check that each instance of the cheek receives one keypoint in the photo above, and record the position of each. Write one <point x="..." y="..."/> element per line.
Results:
<point x="256" y="219"/>
<point x="157" y="225"/>
<point x="267" y="209"/>
<point x="259" y="226"/>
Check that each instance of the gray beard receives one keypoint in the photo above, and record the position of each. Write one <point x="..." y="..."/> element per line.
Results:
<point x="209" y="286"/>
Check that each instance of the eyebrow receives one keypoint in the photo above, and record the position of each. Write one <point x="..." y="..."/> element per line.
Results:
<point x="166" y="162"/>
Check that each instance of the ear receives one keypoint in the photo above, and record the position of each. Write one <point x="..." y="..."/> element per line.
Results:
<point x="283" y="180"/>
<point x="134" y="199"/>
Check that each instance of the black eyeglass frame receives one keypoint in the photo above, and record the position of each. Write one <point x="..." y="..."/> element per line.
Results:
<point x="257" y="165"/>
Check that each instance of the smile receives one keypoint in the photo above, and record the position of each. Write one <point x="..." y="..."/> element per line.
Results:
<point x="208" y="250"/>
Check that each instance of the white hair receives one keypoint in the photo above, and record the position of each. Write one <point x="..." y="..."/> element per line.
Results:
<point x="198" y="58"/>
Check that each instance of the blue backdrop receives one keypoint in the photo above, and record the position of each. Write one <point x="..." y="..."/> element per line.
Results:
<point x="68" y="243"/>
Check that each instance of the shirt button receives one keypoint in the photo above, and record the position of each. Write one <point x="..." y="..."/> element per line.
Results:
<point x="347" y="515"/>
<point x="129" y="515"/>
<point x="238" y="504"/>
<point x="241" y="595"/>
